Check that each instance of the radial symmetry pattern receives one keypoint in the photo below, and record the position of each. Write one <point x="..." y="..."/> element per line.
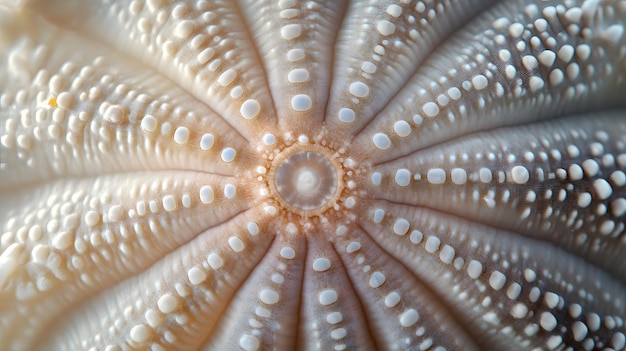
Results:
<point x="312" y="175"/>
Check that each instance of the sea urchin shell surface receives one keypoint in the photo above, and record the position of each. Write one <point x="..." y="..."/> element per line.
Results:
<point x="312" y="175"/>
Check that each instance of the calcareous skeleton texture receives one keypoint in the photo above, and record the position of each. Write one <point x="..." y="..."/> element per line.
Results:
<point x="332" y="175"/>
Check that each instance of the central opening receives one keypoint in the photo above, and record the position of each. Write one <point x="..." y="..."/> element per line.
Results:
<point x="306" y="180"/>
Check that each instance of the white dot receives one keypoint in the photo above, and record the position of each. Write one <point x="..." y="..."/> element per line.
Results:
<point x="575" y="172"/>
<point x="230" y="191"/>
<point x="432" y="244"/>
<point x="519" y="310"/>
<point x="556" y="76"/>
<point x="115" y="213"/>
<point x="485" y="175"/>
<point x="530" y="275"/>
<point x="417" y="119"/>
<point x="166" y="127"/>
<point x="603" y="188"/>
<point x="416" y="236"/>
<point x="321" y="264"/>
<point x="169" y="203"/>
<point x="298" y="75"/>
<point x="63" y="240"/>
<point x="167" y="303"/>
<point x="551" y="299"/>
<point x="290" y="31"/>
<point x="436" y="176"/>
<point x="338" y="333"/>
<point x="353" y="247"/>
<point x="547" y="58"/>
<point x="593" y="321"/>
<point x="409" y="317"/>
<point x="301" y="102"/>
<point x="530" y="62"/>
<point x="295" y="55"/>
<point x="504" y="55"/>
<point x="479" y="82"/>
<point x="520" y="174"/>
<point x="249" y="342"/>
<point x="591" y="167"/>
<point x="379" y="215"/>
<point x="385" y="27"/>
<point x="236" y="92"/>
<point x="206" y="194"/>
<point x="392" y="299"/>
<point x="446" y="255"/>
<point x="535" y="83"/>
<point x="368" y="67"/>
<point x="443" y="100"/>
<point x="359" y="89"/>
<point x="618" y="341"/>
<point x="328" y="297"/>
<point x="269" y="139"/>
<point x="454" y="93"/>
<point x="618" y="207"/>
<point x="510" y="71"/>
<point x="66" y="101"/>
<point x="227" y="77"/>
<point x="566" y="53"/>
<point x="474" y="269"/>
<point x="253" y="228"/>
<point x="149" y="123"/>
<point x="394" y="10"/>
<point x="430" y="109"/>
<point x="613" y="33"/>
<point x="607" y="227"/>
<point x="376" y="178"/>
<point x="401" y="227"/>
<point x="346" y="115"/>
<point x="250" y="109"/>
<point x="236" y="244"/>
<point x="618" y="178"/>
<point x="140" y="333"/>
<point x="377" y="279"/>
<point x="583" y="51"/>
<point x="381" y="141"/>
<point x="215" y="261"/>
<point x="205" y="55"/>
<point x="497" y="280"/>
<point x="334" y="317"/>
<point x="206" y="141"/>
<point x="184" y="29"/>
<point x="584" y="200"/>
<point x="92" y="218"/>
<point x="114" y="114"/>
<point x="269" y="297"/>
<point x="548" y="321"/>
<point x="402" y="128"/>
<point x="579" y="331"/>
<point x="196" y="276"/>
<point x="516" y="29"/>
<point x="288" y="253"/>
<point x="573" y="151"/>
<point x="403" y="177"/>
<point x="458" y="176"/>
<point x="228" y="154"/>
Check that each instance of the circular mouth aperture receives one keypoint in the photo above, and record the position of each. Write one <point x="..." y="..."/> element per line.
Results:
<point x="306" y="181"/>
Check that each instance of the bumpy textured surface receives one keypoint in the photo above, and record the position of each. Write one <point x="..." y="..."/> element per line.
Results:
<point x="453" y="175"/>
